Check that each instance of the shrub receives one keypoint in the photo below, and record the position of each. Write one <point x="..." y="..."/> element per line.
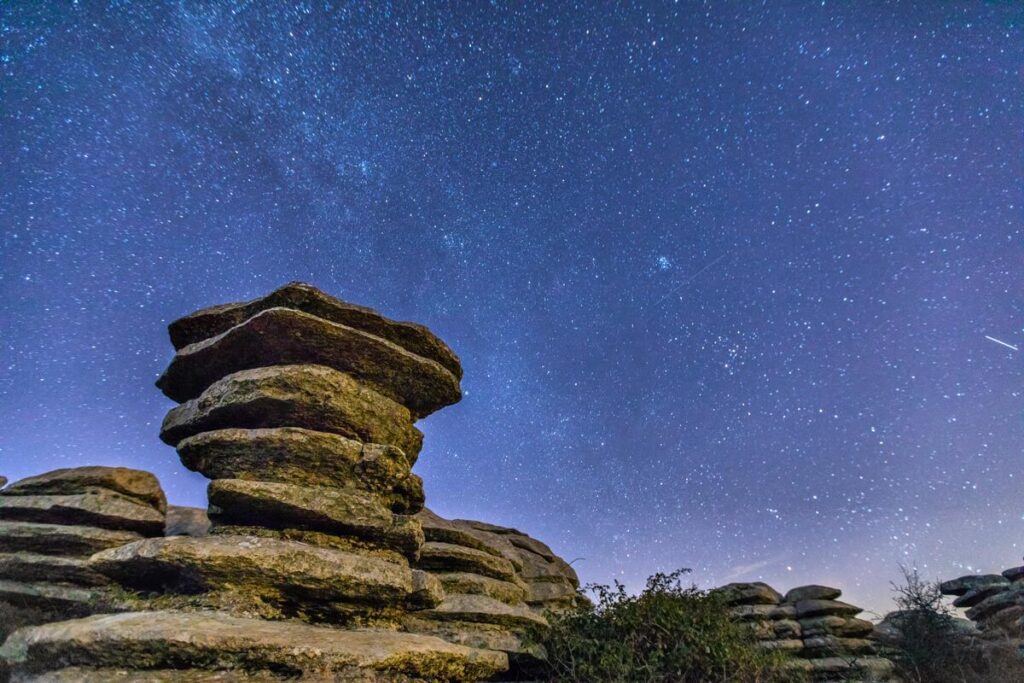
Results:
<point x="667" y="634"/>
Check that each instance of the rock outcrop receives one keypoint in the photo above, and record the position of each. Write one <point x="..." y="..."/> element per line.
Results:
<point x="994" y="602"/>
<point x="300" y="408"/>
<point x="498" y="583"/>
<point x="51" y="523"/>
<point x="824" y="634"/>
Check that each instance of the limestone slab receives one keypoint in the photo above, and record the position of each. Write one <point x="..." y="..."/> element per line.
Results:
<point x="446" y="557"/>
<point x="92" y="507"/>
<point x="198" y="640"/>
<point x="305" y="457"/>
<point x="274" y="569"/>
<point x="60" y="539"/>
<point x="284" y="336"/>
<point x="126" y="481"/>
<point x="33" y="567"/>
<point x="307" y="396"/>
<point x="210" y="322"/>
<point x="339" y="511"/>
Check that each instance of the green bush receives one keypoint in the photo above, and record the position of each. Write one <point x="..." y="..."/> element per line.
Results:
<point x="667" y="634"/>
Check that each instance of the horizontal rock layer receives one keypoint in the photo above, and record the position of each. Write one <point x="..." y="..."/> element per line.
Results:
<point x="413" y="337"/>
<point x="343" y="512"/>
<point x="283" y="336"/>
<point x="136" y="484"/>
<point x="172" y="640"/>
<point x="307" y="396"/>
<point x="92" y="507"/>
<point x="277" y="571"/>
<point x="32" y="567"/>
<point x="305" y="457"/>
<point x="60" y="539"/>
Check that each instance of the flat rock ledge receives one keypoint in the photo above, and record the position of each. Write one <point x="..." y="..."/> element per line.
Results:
<point x="209" y="322"/>
<point x="274" y="570"/>
<point x="282" y="336"/>
<point x="137" y="484"/>
<point x="307" y="396"/>
<point x="143" y="641"/>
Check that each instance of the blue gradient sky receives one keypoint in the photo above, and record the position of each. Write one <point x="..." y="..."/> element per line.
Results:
<point x="720" y="274"/>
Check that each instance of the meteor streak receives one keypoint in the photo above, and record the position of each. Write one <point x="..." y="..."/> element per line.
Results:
<point x="1002" y="343"/>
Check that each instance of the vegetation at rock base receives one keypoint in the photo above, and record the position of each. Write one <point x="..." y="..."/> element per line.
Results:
<point x="669" y="633"/>
<point x="929" y="644"/>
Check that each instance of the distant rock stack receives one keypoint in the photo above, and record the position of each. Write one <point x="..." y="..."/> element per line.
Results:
<point x="498" y="583"/>
<point x="994" y="602"/>
<point x="186" y="521"/>
<point x="51" y="523"/>
<point x="828" y="640"/>
<point x="300" y="409"/>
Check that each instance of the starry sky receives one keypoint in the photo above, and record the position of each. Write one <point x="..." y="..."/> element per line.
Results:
<point x="720" y="274"/>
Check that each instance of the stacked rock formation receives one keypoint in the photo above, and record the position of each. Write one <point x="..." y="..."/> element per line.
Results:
<point x="498" y="583"/>
<point x="994" y="602"/>
<point x="810" y="622"/>
<point x="300" y="408"/>
<point x="51" y="523"/>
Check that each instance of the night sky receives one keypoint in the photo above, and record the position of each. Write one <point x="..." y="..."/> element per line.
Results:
<point x="720" y="274"/>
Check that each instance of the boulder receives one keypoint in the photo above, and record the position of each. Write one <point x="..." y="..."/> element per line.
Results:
<point x="1014" y="574"/>
<point x="761" y="612"/>
<point x="137" y="484"/>
<point x="976" y="595"/>
<point x="309" y="396"/>
<point x="211" y="322"/>
<point x="343" y="512"/>
<point x="1013" y="595"/>
<point x="843" y="627"/>
<point x="806" y="609"/>
<point x="826" y="646"/>
<point x="812" y="592"/>
<point x="60" y="539"/>
<point x="283" y="336"/>
<point x="32" y="567"/>
<point x="748" y="594"/>
<point x="210" y="641"/>
<point x="446" y="557"/>
<point x="186" y="521"/>
<point x="308" y="458"/>
<point x="791" y="645"/>
<point x="847" y="668"/>
<point x="963" y="584"/>
<point x="274" y="570"/>
<point x="92" y="507"/>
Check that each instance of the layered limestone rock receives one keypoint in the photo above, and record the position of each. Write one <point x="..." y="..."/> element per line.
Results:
<point x="499" y="583"/>
<point x="300" y="408"/>
<point x="51" y="523"/>
<point x="189" y="644"/>
<point x="994" y="602"/>
<point x="828" y="640"/>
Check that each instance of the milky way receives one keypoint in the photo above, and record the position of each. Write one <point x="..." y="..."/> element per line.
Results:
<point x="720" y="274"/>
